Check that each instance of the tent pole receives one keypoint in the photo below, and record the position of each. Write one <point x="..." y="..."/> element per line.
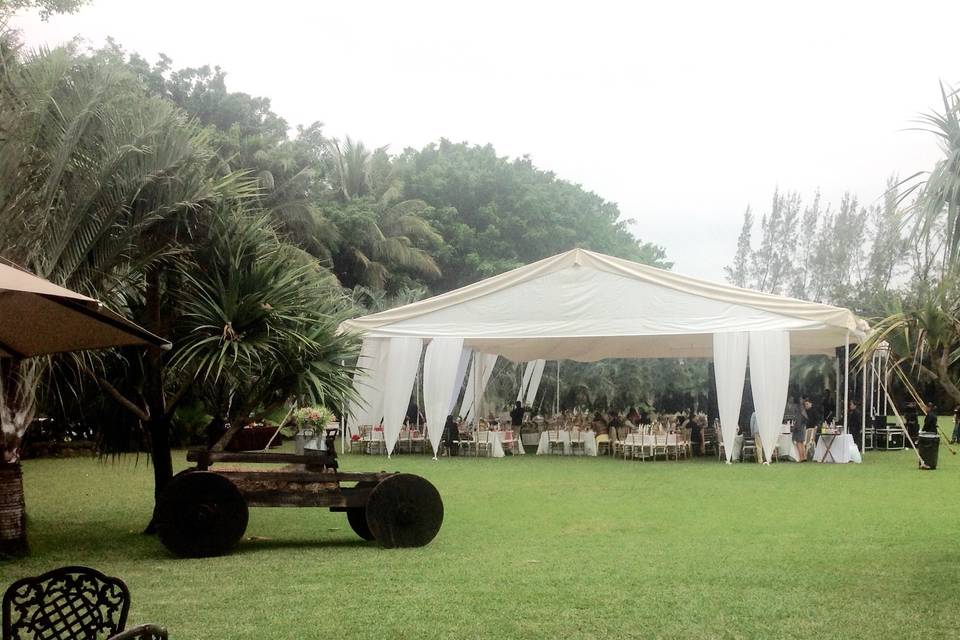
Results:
<point x="556" y="411"/>
<point x="476" y="417"/>
<point x="846" y="385"/>
<point x="863" y="406"/>
<point x="836" y="400"/>
<point x="343" y="420"/>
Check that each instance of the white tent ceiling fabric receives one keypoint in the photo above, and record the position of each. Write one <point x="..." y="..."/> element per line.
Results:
<point x="587" y="306"/>
<point x="730" y="367"/>
<point x="439" y="378"/>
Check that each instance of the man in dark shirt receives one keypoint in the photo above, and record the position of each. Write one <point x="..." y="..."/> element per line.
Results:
<point x="855" y="428"/>
<point x="516" y="414"/>
<point x="930" y="421"/>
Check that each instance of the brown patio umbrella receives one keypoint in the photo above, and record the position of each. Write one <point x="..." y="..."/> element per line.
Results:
<point x="37" y="317"/>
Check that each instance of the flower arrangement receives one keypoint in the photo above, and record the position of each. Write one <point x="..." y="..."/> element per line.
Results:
<point x="315" y="418"/>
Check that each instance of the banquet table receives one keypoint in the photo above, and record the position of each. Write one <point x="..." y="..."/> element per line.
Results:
<point x="589" y="442"/>
<point x="838" y="448"/>
<point x="784" y="445"/>
<point x="497" y="441"/>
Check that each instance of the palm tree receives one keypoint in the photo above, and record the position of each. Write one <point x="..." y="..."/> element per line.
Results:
<point x="349" y="167"/>
<point x="380" y="240"/>
<point x="259" y="323"/>
<point x="97" y="182"/>
<point x="923" y="332"/>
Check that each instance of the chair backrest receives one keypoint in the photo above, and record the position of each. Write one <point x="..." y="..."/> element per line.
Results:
<point x="70" y="603"/>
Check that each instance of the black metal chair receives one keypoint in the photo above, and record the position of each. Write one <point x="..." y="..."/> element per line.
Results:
<point x="71" y="603"/>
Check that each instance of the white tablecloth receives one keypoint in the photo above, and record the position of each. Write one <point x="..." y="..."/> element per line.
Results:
<point x="842" y="450"/>
<point x="589" y="442"/>
<point x="496" y="444"/>
<point x="784" y="445"/>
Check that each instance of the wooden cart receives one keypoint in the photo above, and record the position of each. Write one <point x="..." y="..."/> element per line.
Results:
<point x="204" y="510"/>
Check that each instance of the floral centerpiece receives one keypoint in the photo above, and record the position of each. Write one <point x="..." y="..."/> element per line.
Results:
<point x="315" y="418"/>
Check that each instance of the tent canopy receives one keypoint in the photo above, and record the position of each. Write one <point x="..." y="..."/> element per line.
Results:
<point x="586" y="306"/>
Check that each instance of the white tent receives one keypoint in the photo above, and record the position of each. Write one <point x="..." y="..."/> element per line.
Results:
<point x="587" y="306"/>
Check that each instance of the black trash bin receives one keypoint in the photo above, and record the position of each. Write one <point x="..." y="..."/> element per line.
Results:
<point x="928" y="446"/>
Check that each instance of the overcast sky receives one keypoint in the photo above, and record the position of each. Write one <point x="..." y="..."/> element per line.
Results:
<point x="682" y="113"/>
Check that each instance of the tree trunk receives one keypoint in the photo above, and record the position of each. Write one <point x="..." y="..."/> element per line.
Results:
<point x="13" y="511"/>
<point x="158" y="425"/>
<point x="942" y="365"/>
<point x="159" y="429"/>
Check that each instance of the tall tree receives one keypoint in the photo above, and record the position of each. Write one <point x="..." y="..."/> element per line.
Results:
<point x="92" y="173"/>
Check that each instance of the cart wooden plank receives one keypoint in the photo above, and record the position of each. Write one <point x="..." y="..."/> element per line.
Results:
<point x="295" y="489"/>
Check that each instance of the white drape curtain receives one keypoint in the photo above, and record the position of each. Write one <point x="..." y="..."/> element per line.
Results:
<point x="481" y="369"/>
<point x="363" y="380"/>
<point x="525" y="381"/>
<point x="534" y="384"/>
<point x="461" y="372"/>
<point x="730" y="365"/>
<point x="440" y="365"/>
<point x="769" y="378"/>
<point x="403" y="360"/>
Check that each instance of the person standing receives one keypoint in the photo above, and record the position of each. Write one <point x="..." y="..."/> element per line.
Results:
<point x="930" y="420"/>
<point x="798" y="432"/>
<point x="828" y="405"/>
<point x="696" y="434"/>
<point x="452" y="436"/>
<point x="813" y="423"/>
<point x="516" y="415"/>
<point x="956" y="425"/>
<point x="855" y="428"/>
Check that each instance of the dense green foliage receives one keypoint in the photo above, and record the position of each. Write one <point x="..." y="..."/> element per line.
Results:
<point x="921" y="324"/>
<point x="440" y="217"/>
<point x="539" y="547"/>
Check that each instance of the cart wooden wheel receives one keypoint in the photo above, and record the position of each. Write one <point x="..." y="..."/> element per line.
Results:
<point x="201" y="514"/>
<point x="404" y="510"/>
<point x="357" y="517"/>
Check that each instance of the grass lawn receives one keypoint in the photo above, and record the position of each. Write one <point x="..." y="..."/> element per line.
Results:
<point x="545" y="548"/>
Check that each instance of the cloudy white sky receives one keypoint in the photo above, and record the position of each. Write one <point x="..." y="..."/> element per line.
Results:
<point x="682" y="113"/>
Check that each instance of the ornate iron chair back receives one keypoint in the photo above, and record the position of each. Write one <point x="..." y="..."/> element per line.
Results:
<point x="70" y="603"/>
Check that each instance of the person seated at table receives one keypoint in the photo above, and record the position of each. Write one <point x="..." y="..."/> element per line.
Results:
<point x="855" y="428"/>
<point x="516" y="415"/>
<point x="599" y="424"/>
<point x="696" y="434"/>
<point x="614" y="424"/>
